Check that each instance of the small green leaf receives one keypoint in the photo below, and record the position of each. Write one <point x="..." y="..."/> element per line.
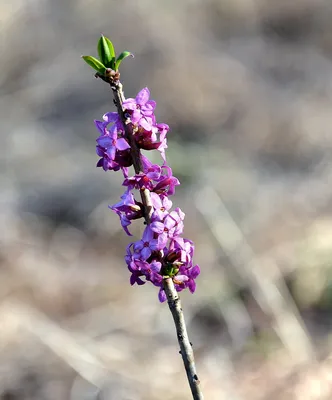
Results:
<point x="121" y="57"/>
<point x="106" y="52"/>
<point x="95" y="64"/>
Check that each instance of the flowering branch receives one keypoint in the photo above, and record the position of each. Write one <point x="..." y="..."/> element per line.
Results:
<point x="119" y="98"/>
<point x="162" y="256"/>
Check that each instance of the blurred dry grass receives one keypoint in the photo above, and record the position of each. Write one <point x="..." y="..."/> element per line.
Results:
<point x="246" y="86"/>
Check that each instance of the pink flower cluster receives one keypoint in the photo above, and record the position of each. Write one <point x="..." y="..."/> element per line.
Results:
<point x="161" y="252"/>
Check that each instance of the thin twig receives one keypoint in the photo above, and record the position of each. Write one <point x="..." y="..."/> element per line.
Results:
<point x="168" y="284"/>
<point x="186" y="350"/>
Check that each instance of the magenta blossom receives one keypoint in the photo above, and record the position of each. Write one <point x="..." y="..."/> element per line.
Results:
<point x="111" y="143"/>
<point x="169" y="228"/>
<point x="167" y="183"/>
<point x="144" y="180"/>
<point x="144" y="248"/>
<point x="128" y="209"/>
<point x="140" y="107"/>
<point x="161" y="252"/>
<point x="161" y="205"/>
<point x="113" y="149"/>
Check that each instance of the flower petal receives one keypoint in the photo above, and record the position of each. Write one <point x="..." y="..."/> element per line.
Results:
<point x="156" y="201"/>
<point x="191" y="285"/>
<point x="169" y="222"/>
<point x="181" y="278"/>
<point x="105" y="141"/>
<point x="138" y="246"/>
<point x="155" y="266"/>
<point x="157" y="227"/>
<point x="135" y="116"/>
<point x="129" y="104"/>
<point x="110" y="117"/>
<point x="145" y="124"/>
<point x="162" y="240"/>
<point x="100" y="125"/>
<point x="162" y="295"/>
<point x="143" y="96"/>
<point x="167" y="203"/>
<point x="122" y="144"/>
<point x="111" y="152"/>
<point x="146" y="252"/>
<point x="195" y="272"/>
<point x="150" y="105"/>
<point x="154" y="245"/>
<point x="147" y="235"/>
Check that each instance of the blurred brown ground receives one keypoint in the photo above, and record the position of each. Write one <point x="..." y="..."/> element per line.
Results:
<point x="246" y="86"/>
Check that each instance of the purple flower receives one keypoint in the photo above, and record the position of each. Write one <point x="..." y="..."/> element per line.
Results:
<point x="128" y="209"/>
<point x="185" y="278"/>
<point x="140" y="111"/>
<point x="179" y="252"/>
<point x="180" y="282"/>
<point x="168" y="183"/>
<point x="191" y="274"/>
<point x="151" y="136"/>
<point x="101" y="126"/>
<point x="140" y="107"/>
<point x="144" y="248"/>
<point x="133" y="267"/>
<point x="156" y="179"/>
<point x="162" y="129"/>
<point x="112" y="117"/>
<point x="146" y="138"/>
<point x="147" y="124"/>
<point x="178" y="216"/>
<point x="135" y="276"/>
<point x="122" y="161"/>
<point x="185" y="249"/>
<point x="142" y="268"/>
<point x="108" y="118"/>
<point x="170" y="227"/>
<point x="105" y="162"/>
<point x="111" y="142"/>
<point x="144" y="180"/>
<point x="161" y="205"/>
<point x="152" y="273"/>
<point x="111" y="147"/>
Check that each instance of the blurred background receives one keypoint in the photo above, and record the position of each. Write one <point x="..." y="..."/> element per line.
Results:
<point x="246" y="87"/>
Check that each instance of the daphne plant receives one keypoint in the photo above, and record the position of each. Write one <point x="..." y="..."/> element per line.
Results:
<point x="162" y="256"/>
